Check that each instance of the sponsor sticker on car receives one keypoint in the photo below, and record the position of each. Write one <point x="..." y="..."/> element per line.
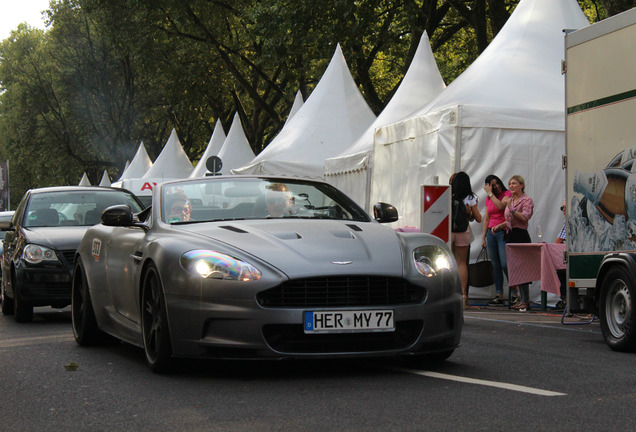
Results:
<point x="348" y="321"/>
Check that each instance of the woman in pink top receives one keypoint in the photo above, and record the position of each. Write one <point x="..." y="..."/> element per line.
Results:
<point x="519" y="209"/>
<point x="492" y="237"/>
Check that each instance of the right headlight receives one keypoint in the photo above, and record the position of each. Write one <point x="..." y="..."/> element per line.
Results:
<point x="431" y="260"/>
<point x="35" y="254"/>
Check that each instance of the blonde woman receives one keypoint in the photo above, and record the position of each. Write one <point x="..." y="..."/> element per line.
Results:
<point x="519" y="209"/>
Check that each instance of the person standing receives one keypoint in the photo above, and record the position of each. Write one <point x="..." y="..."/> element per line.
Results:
<point x="561" y="238"/>
<point x="460" y="241"/>
<point x="493" y="238"/>
<point x="518" y="211"/>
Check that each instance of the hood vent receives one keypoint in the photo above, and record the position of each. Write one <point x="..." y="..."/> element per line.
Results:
<point x="354" y="227"/>
<point x="233" y="228"/>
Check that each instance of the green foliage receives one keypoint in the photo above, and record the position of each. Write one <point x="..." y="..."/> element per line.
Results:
<point x="108" y="74"/>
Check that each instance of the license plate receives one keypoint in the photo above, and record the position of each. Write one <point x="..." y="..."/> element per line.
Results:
<point x="348" y="321"/>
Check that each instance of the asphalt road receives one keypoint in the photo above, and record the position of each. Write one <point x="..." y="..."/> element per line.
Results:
<point x="514" y="371"/>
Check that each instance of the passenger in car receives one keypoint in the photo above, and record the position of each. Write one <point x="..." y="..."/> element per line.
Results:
<point x="278" y="200"/>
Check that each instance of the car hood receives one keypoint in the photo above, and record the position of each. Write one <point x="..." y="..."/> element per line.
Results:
<point x="60" y="238"/>
<point x="297" y="247"/>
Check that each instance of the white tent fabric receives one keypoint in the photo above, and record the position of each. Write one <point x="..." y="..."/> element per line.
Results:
<point x="105" y="181"/>
<point x="333" y="117"/>
<point x="172" y="162"/>
<point x="350" y="171"/>
<point x="84" y="181"/>
<point x="139" y="165"/>
<point x="236" y="151"/>
<point x="298" y="102"/>
<point x="504" y="115"/>
<point x="214" y="146"/>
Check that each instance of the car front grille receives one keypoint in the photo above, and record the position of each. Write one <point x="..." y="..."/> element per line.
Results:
<point x="342" y="291"/>
<point x="69" y="256"/>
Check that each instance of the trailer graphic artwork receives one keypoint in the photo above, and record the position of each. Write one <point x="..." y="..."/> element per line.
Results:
<point x="603" y="207"/>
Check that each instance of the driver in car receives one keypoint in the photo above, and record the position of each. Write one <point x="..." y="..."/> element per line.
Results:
<point x="179" y="207"/>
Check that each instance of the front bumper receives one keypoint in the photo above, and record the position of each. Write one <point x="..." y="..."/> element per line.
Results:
<point x="241" y="328"/>
<point x="44" y="286"/>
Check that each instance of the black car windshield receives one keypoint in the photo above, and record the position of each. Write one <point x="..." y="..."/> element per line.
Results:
<point x="84" y="208"/>
<point x="220" y="199"/>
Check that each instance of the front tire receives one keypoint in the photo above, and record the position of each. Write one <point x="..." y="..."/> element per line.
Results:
<point x="22" y="310"/>
<point x="7" y="302"/>
<point x="154" y="323"/>
<point x="617" y="312"/>
<point x="85" y="327"/>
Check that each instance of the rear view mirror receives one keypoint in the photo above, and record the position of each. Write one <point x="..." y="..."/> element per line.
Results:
<point x="385" y="213"/>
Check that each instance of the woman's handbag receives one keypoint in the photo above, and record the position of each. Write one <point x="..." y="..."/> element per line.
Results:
<point x="480" y="272"/>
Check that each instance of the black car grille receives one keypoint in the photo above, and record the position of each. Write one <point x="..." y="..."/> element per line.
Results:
<point x="69" y="256"/>
<point x="291" y="339"/>
<point x="339" y="291"/>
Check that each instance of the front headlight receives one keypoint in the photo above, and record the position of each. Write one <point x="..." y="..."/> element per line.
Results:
<point x="215" y="265"/>
<point x="35" y="254"/>
<point x="431" y="260"/>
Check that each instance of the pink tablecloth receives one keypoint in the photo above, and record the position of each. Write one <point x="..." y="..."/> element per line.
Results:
<point x="529" y="262"/>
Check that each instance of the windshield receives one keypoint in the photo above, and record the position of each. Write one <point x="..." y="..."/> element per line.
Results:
<point x="83" y="208"/>
<point x="214" y="199"/>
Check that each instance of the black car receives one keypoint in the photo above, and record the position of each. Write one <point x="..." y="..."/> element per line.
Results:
<point x="40" y="243"/>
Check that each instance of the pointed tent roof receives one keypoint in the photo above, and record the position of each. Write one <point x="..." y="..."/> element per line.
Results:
<point x="105" y="181"/>
<point x="84" y="181"/>
<point x="331" y="119"/>
<point x="298" y="102"/>
<point x="214" y="146"/>
<point x="236" y="150"/>
<point x="421" y="83"/>
<point x="172" y="162"/>
<point x="511" y="74"/>
<point x="140" y="164"/>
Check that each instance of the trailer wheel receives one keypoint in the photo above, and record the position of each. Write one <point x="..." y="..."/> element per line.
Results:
<point x="617" y="312"/>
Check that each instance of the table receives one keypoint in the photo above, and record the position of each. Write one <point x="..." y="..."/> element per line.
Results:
<point x="529" y="262"/>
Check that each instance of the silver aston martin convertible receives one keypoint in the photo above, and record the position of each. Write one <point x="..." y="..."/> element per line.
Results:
<point x="263" y="267"/>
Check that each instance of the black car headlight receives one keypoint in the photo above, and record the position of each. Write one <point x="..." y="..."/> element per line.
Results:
<point x="431" y="260"/>
<point x="215" y="265"/>
<point x="35" y="254"/>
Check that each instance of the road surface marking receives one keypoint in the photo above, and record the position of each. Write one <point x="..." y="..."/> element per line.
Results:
<point x="502" y="385"/>
<point x="25" y="341"/>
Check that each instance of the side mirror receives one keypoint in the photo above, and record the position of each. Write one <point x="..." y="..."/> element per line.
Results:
<point x="384" y="213"/>
<point x="118" y="215"/>
<point x="5" y="225"/>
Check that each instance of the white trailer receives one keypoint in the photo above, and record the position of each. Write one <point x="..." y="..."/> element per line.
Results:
<point x="600" y="163"/>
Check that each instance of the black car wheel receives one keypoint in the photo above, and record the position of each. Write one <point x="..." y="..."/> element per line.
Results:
<point x="154" y="322"/>
<point x="85" y="327"/>
<point x="7" y="302"/>
<point x="617" y="311"/>
<point x="22" y="309"/>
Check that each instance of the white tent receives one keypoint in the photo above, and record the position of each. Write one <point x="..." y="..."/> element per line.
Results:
<point x="298" y="103"/>
<point x="84" y="181"/>
<point x="140" y="164"/>
<point x="105" y="181"/>
<point x="172" y="162"/>
<point x="236" y="151"/>
<point x="333" y="117"/>
<point x="503" y="115"/>
<point x="213" y="148"/>
<point x="350" y="171"/>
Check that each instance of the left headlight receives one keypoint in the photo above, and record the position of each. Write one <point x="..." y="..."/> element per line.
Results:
<point x="431" y="260"/>
<point x="215" y="265"/>
<point x="35" y="254"/>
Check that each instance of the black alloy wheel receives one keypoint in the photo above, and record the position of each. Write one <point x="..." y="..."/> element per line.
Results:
<point x="154" y="323"/>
